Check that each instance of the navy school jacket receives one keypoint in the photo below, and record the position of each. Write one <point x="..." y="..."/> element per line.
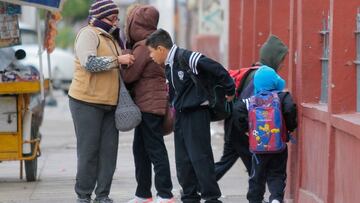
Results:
<point x="184" y="94"/>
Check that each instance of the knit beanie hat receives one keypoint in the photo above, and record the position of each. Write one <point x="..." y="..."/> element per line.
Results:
<point x="103" y="8"/>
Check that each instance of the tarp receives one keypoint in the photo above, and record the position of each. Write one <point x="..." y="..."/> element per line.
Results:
<point x="52" y="5"/>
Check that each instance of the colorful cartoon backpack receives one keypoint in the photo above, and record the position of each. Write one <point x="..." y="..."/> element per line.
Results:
<point x="267" y="131"/>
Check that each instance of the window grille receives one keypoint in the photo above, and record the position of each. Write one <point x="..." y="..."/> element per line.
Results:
<point x="325" y="60"/>
<point x="357" y="61"/>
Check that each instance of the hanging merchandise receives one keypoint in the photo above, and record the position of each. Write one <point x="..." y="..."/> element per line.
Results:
<point x="9" y="24"/>
<point x="52" y="18"/>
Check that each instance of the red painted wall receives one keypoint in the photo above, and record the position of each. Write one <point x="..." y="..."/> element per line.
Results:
<point x="234" y="34"/>
<point x="314" y="161"/>
<point x="261" y="25"/>
<point x="247" y="33"/>
<point x="208" y="45"/>
<point x="342" y="39"/>
<point x="279" y="26"/>
<point x="322" y="166"/>
<point x="347" y="176"/>
<point x="310" y="15"/>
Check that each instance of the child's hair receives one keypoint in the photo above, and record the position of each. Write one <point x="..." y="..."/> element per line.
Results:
<point x="159" y="38"/>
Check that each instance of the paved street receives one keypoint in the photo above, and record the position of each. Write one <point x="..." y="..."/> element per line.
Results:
<point x="57" y="166"/>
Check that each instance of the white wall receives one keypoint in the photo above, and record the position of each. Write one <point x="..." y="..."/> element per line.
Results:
<point x="167" y="10"/>
<point x="214" y="20"/>
<point x="224" y="37"/>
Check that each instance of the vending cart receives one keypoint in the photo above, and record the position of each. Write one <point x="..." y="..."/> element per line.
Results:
<point x="22" y="88"/>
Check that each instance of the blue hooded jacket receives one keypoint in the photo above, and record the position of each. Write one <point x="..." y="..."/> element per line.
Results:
<point x="267" y="79"/>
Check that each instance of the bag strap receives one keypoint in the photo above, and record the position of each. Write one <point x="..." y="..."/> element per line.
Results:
<point x="180" y="55"/>
<point x="244" y="79"/>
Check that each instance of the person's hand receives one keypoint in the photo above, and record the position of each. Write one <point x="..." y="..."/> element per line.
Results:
<point x="127" y="59"/>
<point x="229" y="98"/>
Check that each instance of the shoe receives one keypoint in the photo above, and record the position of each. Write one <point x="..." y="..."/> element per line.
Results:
<point x="141" y="200"/>
<point x="87" y="200"/>
<point x="104" y="200"/>
<point x="165" y="200"/>
<point x="275" y="201"/>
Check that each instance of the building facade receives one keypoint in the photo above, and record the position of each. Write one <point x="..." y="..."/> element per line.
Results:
<point x="323" y="73"/>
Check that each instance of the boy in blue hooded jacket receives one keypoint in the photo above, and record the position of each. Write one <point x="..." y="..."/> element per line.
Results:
<point x="272" y="54"/>
<point x="269" y="168"/>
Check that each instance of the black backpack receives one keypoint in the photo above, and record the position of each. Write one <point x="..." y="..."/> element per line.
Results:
<point x="219" y="107"/>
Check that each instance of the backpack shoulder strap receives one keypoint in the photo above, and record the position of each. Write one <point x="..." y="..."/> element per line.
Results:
<point x="180" y="56"/>
<point x="248" y="73"/>
<point x="247" y="102"/>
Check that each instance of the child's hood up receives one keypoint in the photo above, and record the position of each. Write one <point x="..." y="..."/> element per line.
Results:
<point x="266" y="79"/>
<point x="273" y="52"/>
<point x="142" y="20"/>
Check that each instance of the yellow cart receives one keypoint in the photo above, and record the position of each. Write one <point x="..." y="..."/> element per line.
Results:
<point x="15" y="137"/>
<point x="22" y="106"/>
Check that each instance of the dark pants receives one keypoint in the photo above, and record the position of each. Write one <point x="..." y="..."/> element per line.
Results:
<point x="194" y="157"/>
<point x="236" y="144"/>
<point x="270" y="169"/>
<point x="149" y="148"/>
<point x="97" y="145"/>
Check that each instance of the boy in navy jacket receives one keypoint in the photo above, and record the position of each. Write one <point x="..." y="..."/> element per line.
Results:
<point x="193" y="153"/>
<point x="268" y="168"/>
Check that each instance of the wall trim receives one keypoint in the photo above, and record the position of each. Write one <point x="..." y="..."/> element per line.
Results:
<point x="307" y="196"/>
<point x="349" y="123"/>
<point x="313" y="111"/>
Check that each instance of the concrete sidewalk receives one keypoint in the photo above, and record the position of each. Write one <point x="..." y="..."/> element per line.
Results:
<point x="57" y="166"/>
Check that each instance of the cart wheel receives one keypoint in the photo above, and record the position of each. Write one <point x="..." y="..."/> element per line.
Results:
<point x="31" y="170"/>
<point x="31" y="165"/>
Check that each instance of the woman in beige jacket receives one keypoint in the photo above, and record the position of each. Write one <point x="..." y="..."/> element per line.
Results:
<point x="93" y="96"/>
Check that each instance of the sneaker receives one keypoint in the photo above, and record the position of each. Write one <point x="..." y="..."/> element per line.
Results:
<point x="104" y="200"/>
<point x="87" y="200"/>
<point x="275" y="201"/>
<point x="141" y="200"/>
<point x="165" y="200"/>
